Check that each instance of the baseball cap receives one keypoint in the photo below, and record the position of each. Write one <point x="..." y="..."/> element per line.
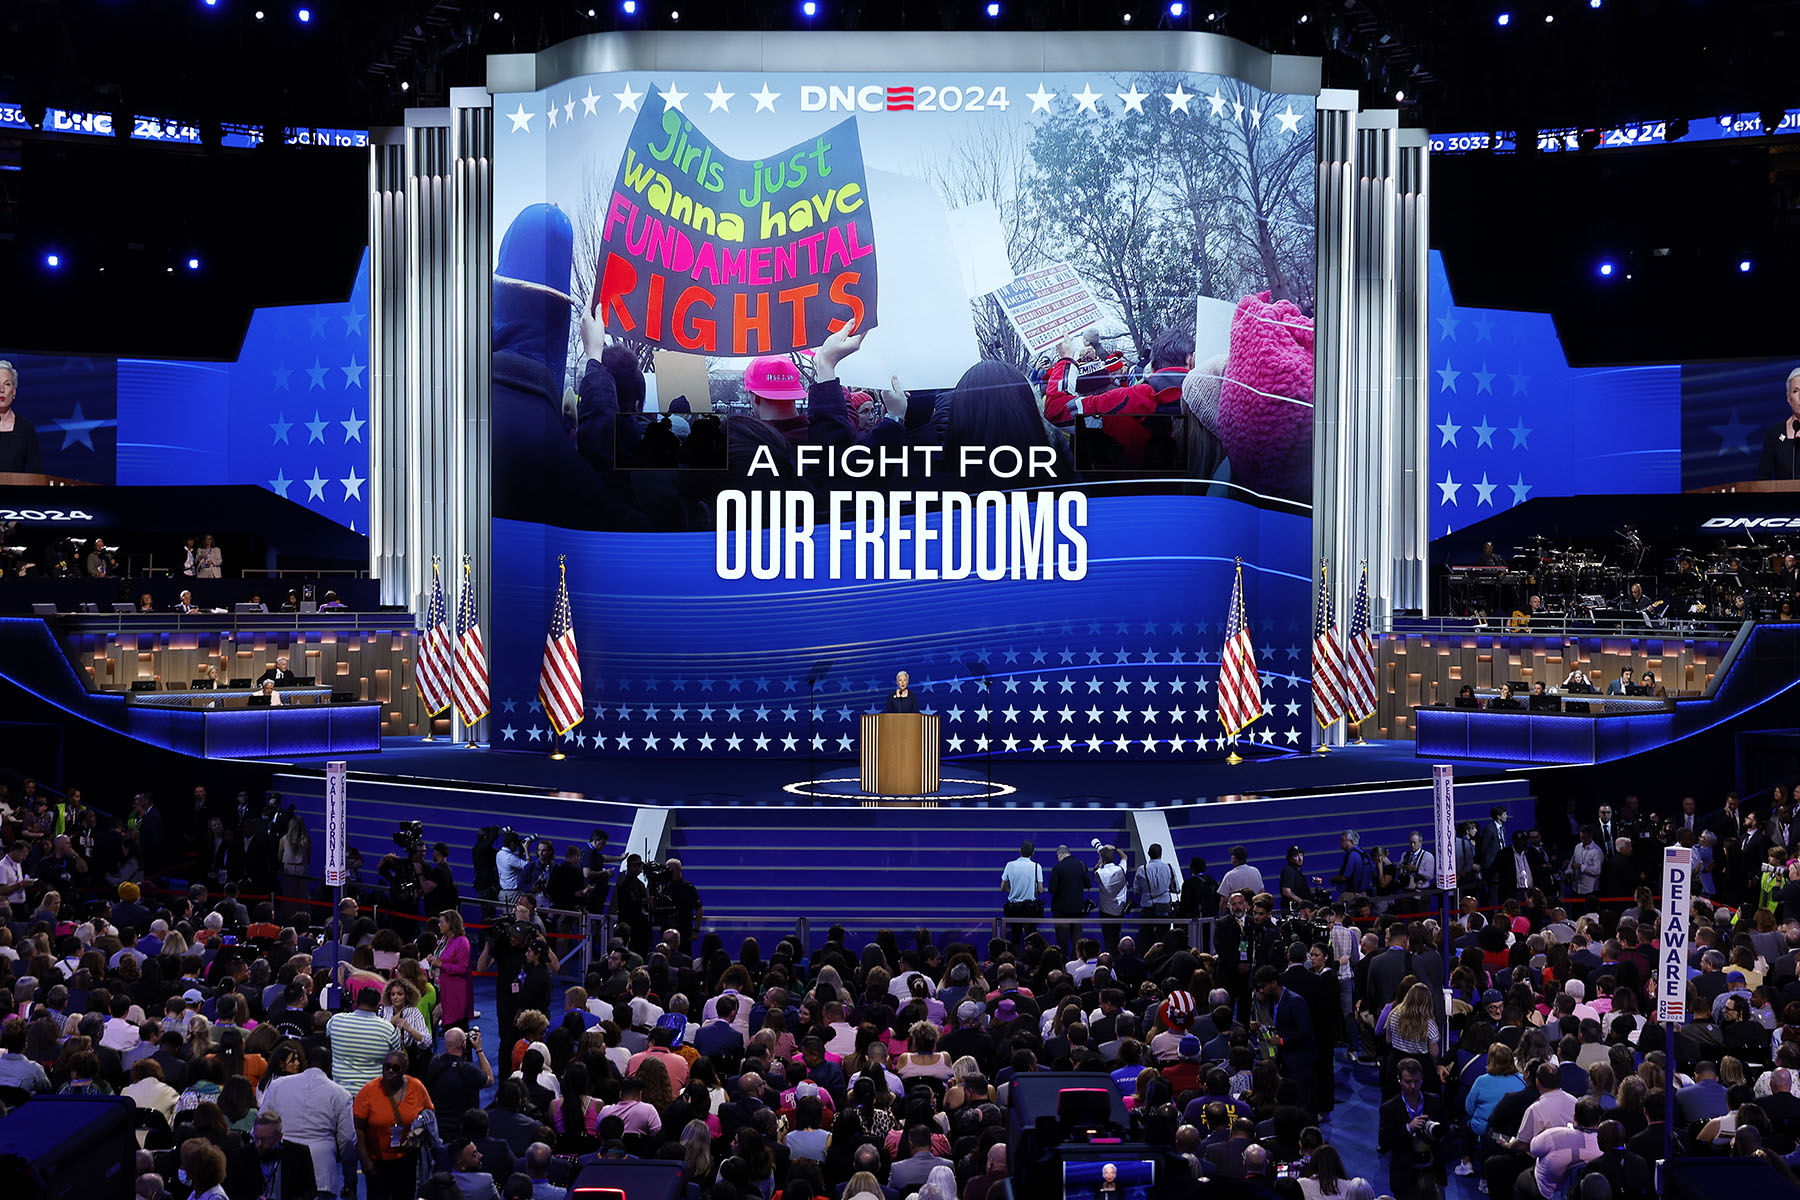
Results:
<point x="774" y="377"/>
<point x="1734" y="977"/>
<point x="193" y="996"/>
<point x="967" y="1012"/>
<point x="805" y="1089"/>
<point x="1189" y="1047"/>
<point x="1493" y="996"/>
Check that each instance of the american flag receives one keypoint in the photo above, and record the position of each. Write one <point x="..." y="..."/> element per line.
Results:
<point x="559" y="680"/>
<point x="1327" y="658"/>
<point x="1360" y="703"/>
<point x="434" y="666"/>
<point x="1240" y="690"/>
<point x="471" y="657"/>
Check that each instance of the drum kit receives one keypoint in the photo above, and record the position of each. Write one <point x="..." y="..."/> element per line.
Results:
<point x="1589" y="581"/>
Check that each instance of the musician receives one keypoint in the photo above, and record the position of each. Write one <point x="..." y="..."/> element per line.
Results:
<point x="1644" y="604"/>
<point x="1788" y="579"/>
<point x="99" y="560"/>
<point x="278" y="673"/>
<point x="1488" y="557"/>
<point x="902" y="699"/>
<point x="1781" y="443"/>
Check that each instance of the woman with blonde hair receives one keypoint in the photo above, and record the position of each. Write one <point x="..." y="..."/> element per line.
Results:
<point x="1412" y="1032"/>
<point x="922" y="1057"/>
<point x="295" y="850"/>
<point x="864" y="1186"/>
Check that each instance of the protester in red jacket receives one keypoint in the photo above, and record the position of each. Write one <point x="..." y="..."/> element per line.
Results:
<point x="1074" y="389"/>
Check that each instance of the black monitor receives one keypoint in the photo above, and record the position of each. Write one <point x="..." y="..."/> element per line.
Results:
<point x="343" y="697"/>
<point x="241" y="681"/>
<point x="1545" y="704"/>
<point x="1467" y="702"/>
<point x="1505" y="705"/>
<point x="200" y="685"/>
<point x="245" y="606"/>
<point x="143" y="685"/>
<point x="43" y="610"/>
<point x="122" y="607"/>
<point x="629" y="1179"/>
<point x="301" y="681"/>
<point x="259" y="702"/>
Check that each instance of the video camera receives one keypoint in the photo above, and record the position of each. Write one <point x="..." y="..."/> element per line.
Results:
<point x="410" y="836"/>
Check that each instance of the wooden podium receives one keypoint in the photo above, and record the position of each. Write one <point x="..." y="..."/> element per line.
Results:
<point x="1750" y="485"/>
<point x="27" y="479"/>
<point x="899" y="754"/>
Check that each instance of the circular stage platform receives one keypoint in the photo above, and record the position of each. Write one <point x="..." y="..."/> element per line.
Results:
<point x="849" y="787"/>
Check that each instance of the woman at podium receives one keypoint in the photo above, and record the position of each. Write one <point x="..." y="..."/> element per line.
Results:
<point x="1781" y="443"/>
<point x="902" y="699"/>
<point x="18" y="437"/>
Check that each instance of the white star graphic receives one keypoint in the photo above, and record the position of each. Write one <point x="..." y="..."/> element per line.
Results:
<point x="1519" y="435"/>
<point x="1484" y="330"/>
<point x="587" y="104"/>
<point x="1134" y="99"/>
<point x="353" y="322"/>
<point x="1520" y="490"/>
<point x="1179" y="99"/>
<point x="551" y="113"/>
<point x="353" y="428"/>
<point x="281" y="425"/>
<point x="509" y="733"/>
<point x="1237" y="110"/>
<point x="762" y="741"/>
<point x="706" y="741"/>
<point x="627" y="98"/>
<point x="1087" y="97"/>
<point x="1256" y="118"/>
<point x="1290" y="120"/>
<point x="1447" y="326"/>
<point x="1484" y="433"/>
<point x="353" y="374"/>
<point x="789" y="742"/>
<point x="1447" y="376"/>
<point x="953" y="744"/>
<point x="1040" y="99"/>
<point x="316" y="375"/>
<point x="672" y="98"/>
<point x="1519" y="380"/>
<point x="281" y="371"/>
<point x="315" y="487"/>
<point x="1011" y="743"/>
<point x="1449" y="487"/>
<point x="568" y="109"/>
<point x="1484" y="380"/>
<point x="1038" y="744"/>
<point x="1484" y="491"/>
<point x="719" y="97"/>
<point x="352" y="486"/>
<point x="315" y="429"/>
<point x="1449" y="429"/>
<point x="1217" y="101"/>
<point x="521" y="119"/>
<point x="765" y="99"/>
<point x="1292" y="736"/>
<point x="733" y="742"/>
<point x="279" y="484"/>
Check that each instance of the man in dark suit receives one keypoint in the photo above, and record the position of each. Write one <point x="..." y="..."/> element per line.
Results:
<point x="1703" y="1099"/>
<point x="719" y="1039"/>
<point x="278" y="673"/>
<point x="1225" y="1159"/>
<point x="1410" y="1133"/>
<point x="1727" y="824"/>
<point x="1068" y="897"/>
<point x="902" y="699"/>
<point x="1490" y="842"/>
<point x="269" y="1168"/>
<point x="1290" y="1018"/>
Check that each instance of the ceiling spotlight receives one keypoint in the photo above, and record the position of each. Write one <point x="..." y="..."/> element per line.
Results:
<point x="809" y="9"/>
<point x="628" y="7"/>
<point x="53" y="261"/>
<point x="592" y="13"/>
<point x="193" y="264"/>
<point x="993" y="10"/>
<point x="1177" y="9"/>
<point x="1549" y="18"/>
<point x="305" y="15"/>
<point x="405" y="86"/>
<point x="1744" y="266"/>
<point x="1400" y="95"/>
<point x="1125" y="18"/>
<point x="1606" y="269"/>
<point x="1503" y="19"/>
<point x="1305" y="17"/>
<point x="260" y="14"/>
<point x="674" y="16"/>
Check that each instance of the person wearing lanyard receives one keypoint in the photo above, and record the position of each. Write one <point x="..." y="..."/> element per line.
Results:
<point x="1155" y="881"/>
<point x="1291" y="1027"/>
<point x="386" y="1109"/>
<point x="286" y="1167"/>
<point x="1410" y="1130"/>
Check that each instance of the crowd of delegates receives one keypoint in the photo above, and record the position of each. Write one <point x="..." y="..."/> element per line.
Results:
<point x="267" y="1059"/>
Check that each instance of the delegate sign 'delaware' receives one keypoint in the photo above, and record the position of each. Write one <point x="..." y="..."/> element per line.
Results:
<point x="1677" y="904"/>
<point x="709" y="254"/>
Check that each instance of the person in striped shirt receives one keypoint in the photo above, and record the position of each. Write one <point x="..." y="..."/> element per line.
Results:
<point x="360" y="1039"/>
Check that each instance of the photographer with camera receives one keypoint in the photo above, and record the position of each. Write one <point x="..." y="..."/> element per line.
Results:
<point x="632" y="907"/>
<point x="1417" y="869"/>
<point x="520" y="957"/>
<point x="512" y="869"/>
<point x="1411" y="1133"/>
<point x="404" y="873"/>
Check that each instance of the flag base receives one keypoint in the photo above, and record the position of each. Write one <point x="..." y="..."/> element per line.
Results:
<point x="428" y="738"/>
<point x="1233" y="758"/>
<point x="471" y="744"/>
<point x="1322" y="748"/>
<point x="558" y="756"/>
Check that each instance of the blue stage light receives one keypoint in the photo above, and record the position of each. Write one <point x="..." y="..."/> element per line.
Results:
<point x="1606" y="268"/>
<point x="212" y="3"/>
<point x="809" y="9"/>
<point x="629" y="7"/>
<point x="52" y="261"/>
<point x="993" y="11"/>
<point x="1177" y="9"/>
<point x="1503" y="19"/>
<point x="1744" y="266"/>
<point x="1593" y="3"/>
<point x="305" y="15"/>
<point x="193" y="264"/>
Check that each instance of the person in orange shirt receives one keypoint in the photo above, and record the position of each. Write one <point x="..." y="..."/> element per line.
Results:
<point x="386" y="1109"/>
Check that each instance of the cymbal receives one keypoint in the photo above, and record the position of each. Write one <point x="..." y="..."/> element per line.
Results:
<point x="1748" y="547"/>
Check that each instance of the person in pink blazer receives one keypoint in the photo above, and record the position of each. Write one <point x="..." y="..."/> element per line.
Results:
<point x="456" y="989"/>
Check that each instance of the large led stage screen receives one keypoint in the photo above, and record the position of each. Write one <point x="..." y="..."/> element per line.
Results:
<point x="820" y="376"/>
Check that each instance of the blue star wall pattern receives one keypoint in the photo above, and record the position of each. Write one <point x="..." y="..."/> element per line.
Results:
<point x="73" y="402"/>
<point x="291" y="414"/>
<point x="1512" y="419"/>
<point x="1121" y="664"/>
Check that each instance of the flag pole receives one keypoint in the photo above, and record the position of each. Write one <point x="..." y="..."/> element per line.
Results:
<point x="1324" y="745"/>
<point x="556" y="750"/>
<point x="1364" y="586"/>
<point x="469" y="726"/>
<point x="1237" y="598"/>
<point x="430" y="718"/>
